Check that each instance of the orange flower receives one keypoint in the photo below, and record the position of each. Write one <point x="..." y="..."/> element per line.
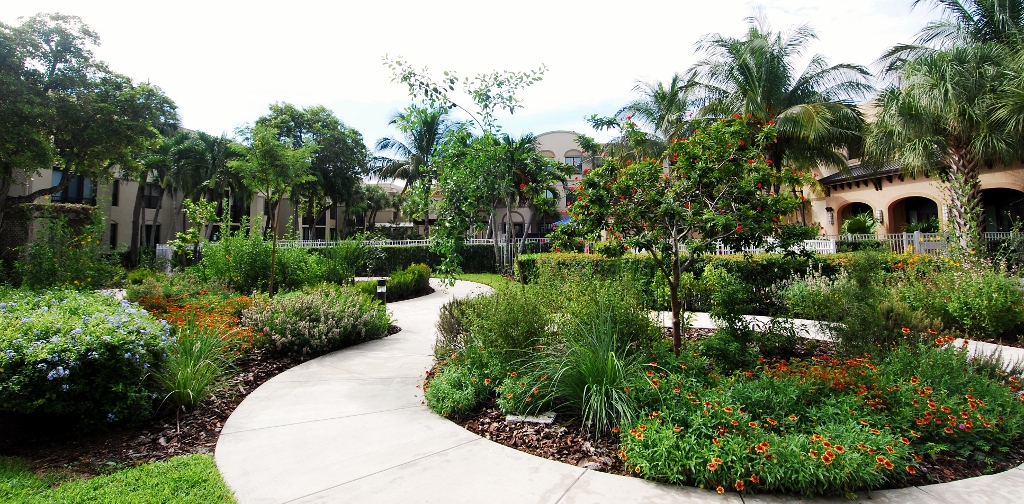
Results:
<point x="487" y="381"/>
<point x="642" y="427"/>
<point x="905" y="440"/>
<point x="752" y="424"/>
<point x="890" y="449"/>
<point x="948" y="430"/>
<point x="615" y="430"/>
<point x="755" y="478"/>
<point x="889" y="465"/>
<point x="728" y="409"/>
<point x="734" y="422"/>
<point x="792" y="417"/>
<point x="513" y="374"/>
<point x="772" y="421"/>
<point x="739" y="485"/>
<point x="712" y="466"/>
<point x="677" y="428"/>
<point x="911" y="470"/>
<point x="720" y="490"/>
<point x="906" y="330"/>
<point x="839" y="449"/>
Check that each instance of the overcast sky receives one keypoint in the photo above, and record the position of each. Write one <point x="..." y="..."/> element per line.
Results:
<point x="223" y="62"/>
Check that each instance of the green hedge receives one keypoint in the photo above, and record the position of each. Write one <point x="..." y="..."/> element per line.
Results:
<point x="403" y="284"/>
<point x="760" y="275"/>
<point x="475" y="259"/>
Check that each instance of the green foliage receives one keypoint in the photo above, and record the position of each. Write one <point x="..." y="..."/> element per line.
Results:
<point x="191" y="479"/>
<point x="456" y="390"/>
<point x="83" y="356"/>
<point x="343" y="260"/>
<point x="196" y="359"/>
<point x="982" y="303"/>
<point x="241" y="260"/>
<point x="864" y="223"/>
<point x="67" y="254"/>
<point x="317" y="319"/>
<point x="199" y="213"/>
<point x="411" y="282"/>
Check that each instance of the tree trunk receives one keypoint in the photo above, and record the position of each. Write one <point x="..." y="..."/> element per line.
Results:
<point x="133" y="245"/>
<point x="965" y="198"/>
<point x="156" y="219"/>
<point x="673" y="289"/>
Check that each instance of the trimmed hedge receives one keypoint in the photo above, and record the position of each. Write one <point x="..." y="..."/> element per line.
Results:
<point x="404" y="284"/>
<point x="760" y="275"/>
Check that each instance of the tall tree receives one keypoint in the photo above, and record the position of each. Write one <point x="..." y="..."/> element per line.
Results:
<point x="660" y="112"/>
<point x="940" y="118"/>
<point x="410" y="160"/>
<point x="67" y="107"/>
<point x="338" y="163"/>
<point x="272" y="165"/>
<point x="756" y="76"/>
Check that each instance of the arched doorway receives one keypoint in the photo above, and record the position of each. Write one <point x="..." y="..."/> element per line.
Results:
<point x="853" y="210"/>
<point x="914" y="214"/>
<point x="1003" y="209"/>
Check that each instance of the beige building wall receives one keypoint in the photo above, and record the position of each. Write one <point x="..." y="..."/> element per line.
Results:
<point x="890" y="194"/>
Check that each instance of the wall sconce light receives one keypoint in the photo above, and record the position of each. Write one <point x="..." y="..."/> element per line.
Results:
<point x="945" y="213"/>
<point x="878" y="216"/>
<point x="831" y="215"/>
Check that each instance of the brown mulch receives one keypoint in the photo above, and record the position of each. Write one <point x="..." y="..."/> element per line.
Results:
<point x="562" y="440"/>
<point x="44" y="444"/>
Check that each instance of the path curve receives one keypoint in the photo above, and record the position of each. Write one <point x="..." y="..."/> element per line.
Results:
<point x="351" y="427"/>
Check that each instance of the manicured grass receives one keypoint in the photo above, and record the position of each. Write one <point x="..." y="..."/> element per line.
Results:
<point x="492" y="279"/>
<point x="188" y="479"/>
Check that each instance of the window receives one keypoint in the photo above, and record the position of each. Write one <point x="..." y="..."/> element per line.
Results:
<point x="115" y="193"/>
<point x="79" y="191"/>
<point x="576" y="162"/>
<point x="113" y="234"/>
<point x="570" y="198"/>
<point x="148" y="233"/>
<point x="151" y="196"/>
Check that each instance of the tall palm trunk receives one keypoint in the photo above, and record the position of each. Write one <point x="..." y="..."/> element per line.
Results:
<point x="965" y="197"/>
<point x="273" y="250"/>
<point x="133" y="245"/>
<point x="156" y="219"/>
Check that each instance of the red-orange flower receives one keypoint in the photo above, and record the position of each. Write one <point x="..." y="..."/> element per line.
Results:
<point x="739" y="485"/>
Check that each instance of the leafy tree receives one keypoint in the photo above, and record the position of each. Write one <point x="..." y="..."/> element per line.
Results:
<point x="423" y="129"/>
<point x="717" y="189"/>
<point x="339" y="160"/>
<point x="272" y="165"/>
<point x="756" y="76"/>
<point x="375" y="199"/>
<point x="61" y="104"/>
<point x="466" y="158"/>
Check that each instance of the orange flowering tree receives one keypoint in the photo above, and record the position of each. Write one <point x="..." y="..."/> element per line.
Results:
<point x="712" y="188"/>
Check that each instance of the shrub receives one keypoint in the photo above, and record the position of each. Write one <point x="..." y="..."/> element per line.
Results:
<point x="859" y="224"/>
<point x="197" y="358"/>
<point x="343" y="260"/>
<point x="406" y="284"/>
<point x="69" y="256"/>
<point x="456" y="390"/>
<point x="317" y="319"/>
<point x="243" y="263"/>
<point x="453" y="327"/>
<point x="982" y="303"/>
<point x="84" y="356"/>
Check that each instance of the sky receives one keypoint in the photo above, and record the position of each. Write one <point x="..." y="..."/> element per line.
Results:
<point x="223" y="62"/>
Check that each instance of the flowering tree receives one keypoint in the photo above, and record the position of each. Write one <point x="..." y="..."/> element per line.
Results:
<point x="715" y="186"/>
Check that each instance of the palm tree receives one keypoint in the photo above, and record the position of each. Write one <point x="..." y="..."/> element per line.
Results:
<point x="962" y="23"/>
<point x="756" y="75"/>
<point x="661" y="110"/>
<point x="410" y="160"/>
<point x="939" y="118"/>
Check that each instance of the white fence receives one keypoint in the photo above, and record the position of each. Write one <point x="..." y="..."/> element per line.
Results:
<point x="922" y="243"/>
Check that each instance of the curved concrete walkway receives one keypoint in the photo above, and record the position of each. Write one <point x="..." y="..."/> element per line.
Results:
<point x="351" y="427"/>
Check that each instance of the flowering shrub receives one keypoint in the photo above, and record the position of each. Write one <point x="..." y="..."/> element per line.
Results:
<point x="68" y="256"/>
<point x="818" y="426"/>
<point x="317" y="319"/>
<point x="85" y="356"/>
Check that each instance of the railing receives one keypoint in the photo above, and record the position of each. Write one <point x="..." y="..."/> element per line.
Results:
<point x="922" y="243"/>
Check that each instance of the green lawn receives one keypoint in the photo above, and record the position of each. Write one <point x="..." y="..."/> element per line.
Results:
<point x="493" y="279"/>
<point x="188" y="479"/>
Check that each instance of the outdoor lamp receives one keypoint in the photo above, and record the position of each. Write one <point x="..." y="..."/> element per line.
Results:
<point x="831" y="215"/>
<point x="878" y="216"/>
<point x="382" y="290"/>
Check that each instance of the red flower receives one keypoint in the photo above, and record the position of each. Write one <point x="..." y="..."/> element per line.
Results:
<point x="720" y="490"/>
<point x="522" y="186"/>
<point x="739" y="229"/>
<point x="739" y="485"/>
